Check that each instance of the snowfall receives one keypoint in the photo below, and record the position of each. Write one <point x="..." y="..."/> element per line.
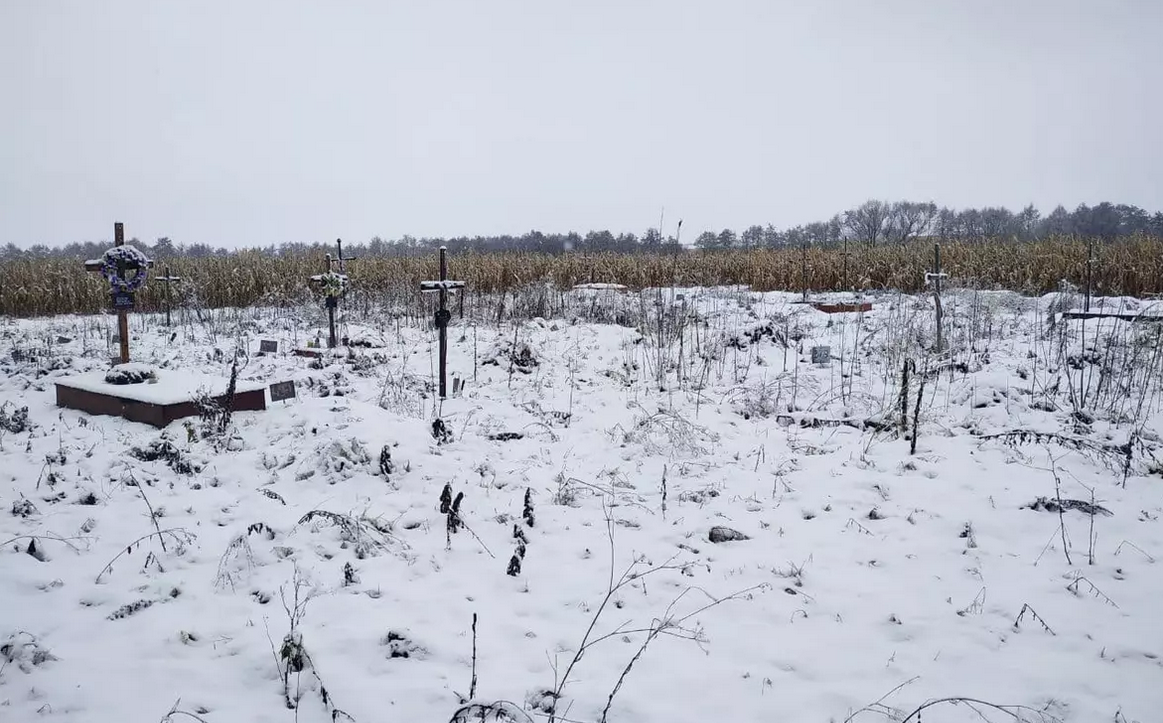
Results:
<point x="680" y="505"/>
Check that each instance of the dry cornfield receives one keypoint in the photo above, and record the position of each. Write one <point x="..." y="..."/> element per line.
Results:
<point x="1132" y="267"/>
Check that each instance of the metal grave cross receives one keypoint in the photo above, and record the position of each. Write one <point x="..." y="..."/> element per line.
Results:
<point x="443" y="315"/>
<point x="934" y="277"/>
<point x="340" y="258"/>
<point x="168" y="281"/>
<point x="330" y="263"/>
<point x="122" y="301"/>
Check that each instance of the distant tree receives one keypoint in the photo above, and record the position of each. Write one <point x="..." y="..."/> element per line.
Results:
<point x="164" y="248"/>
<point x="1132" y="220"/>
<point x="1156" y="225"/>
<point x="652" y="240"/>
<point x="836" y="228"/>
<point x="1060" y="222"/>
<point x="1105" y="221"/>
<point x="199" y="251"/>
<point x="945" y="224"/>
<point x="818" y="233"/>
<point x="626" y="243"/>
<point x="1027" y="222"/>
<point x="377" y="247"/>
<point x="867" y="222"/>
<point x="598" y="241"/>
<point x="727" y="239"/>
<point x="753" y="237"/>
<point x="908" y="220"/>
<point x="707" y="241"/>
<point x="772" y="237"/>
<point x="535" y="241"/>
<point x="997" y="221"/>
<point x="969" y="224"/>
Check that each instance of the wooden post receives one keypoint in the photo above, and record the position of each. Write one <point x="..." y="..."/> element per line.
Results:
<point x="169" y="300"/>
<point x="845" y="255"/>
<point x="122" y="314"/>
<point x="442" y="322"/>
<point x="1089" y="265"/>
<point x="443" y="315"/>
<point x="123" y="334"/>
<point x="804" y="267"/>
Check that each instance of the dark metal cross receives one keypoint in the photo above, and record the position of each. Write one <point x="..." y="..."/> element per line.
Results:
<point x="168" y="281"/>
<point x="332" y="302"/>
<point x="339" y="260"/>
<point x="935" y="277"/>
<point x="443" y="315"/>
<point x="340" y="257"/>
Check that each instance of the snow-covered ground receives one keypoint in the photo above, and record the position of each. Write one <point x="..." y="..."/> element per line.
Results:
<point x="141" y="567"/>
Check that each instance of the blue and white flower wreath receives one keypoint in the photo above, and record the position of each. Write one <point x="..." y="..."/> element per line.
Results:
<point x="133" y="259"/>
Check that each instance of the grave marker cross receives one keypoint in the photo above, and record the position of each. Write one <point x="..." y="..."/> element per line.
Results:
<point x="122" y="301"/>
<point x="168" y="281"/>
<point x="330" y="264"/>
<point x="340" y="257"/>
<point x="443" y="315"/>
<point x="935" y="277"/>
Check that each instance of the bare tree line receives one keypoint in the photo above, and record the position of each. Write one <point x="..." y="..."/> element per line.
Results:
<point x="873" y="223"/>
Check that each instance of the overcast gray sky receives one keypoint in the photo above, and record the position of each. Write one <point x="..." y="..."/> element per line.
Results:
<point x="251" y="122"/>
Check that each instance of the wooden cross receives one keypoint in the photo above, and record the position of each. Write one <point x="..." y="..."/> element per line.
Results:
<point x="168" y="281"/>
<point x="122" y="300"/>
<point x="443" y="315"/>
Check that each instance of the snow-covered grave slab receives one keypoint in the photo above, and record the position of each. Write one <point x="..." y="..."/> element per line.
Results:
<point x="1121" y="315"/>
<point x="158" y="402"/>
<point x="841" y="303"/>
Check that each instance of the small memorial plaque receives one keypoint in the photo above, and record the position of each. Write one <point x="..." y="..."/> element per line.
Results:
<point x="282" y="390"/>
<point x="123" y="300"/>
<point x="267" y="346"/>
<point x="821" y="354"/>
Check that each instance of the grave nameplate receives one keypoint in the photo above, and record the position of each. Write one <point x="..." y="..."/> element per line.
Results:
<point x="266" y="346"/>
<point x="282" y="390"/>
<point x="123" y="301"/>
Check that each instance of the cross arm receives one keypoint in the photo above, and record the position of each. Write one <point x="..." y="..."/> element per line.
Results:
<point x="95" y="265"/>
<point x="318" y="278"/>
<point x="438" y="285"/>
